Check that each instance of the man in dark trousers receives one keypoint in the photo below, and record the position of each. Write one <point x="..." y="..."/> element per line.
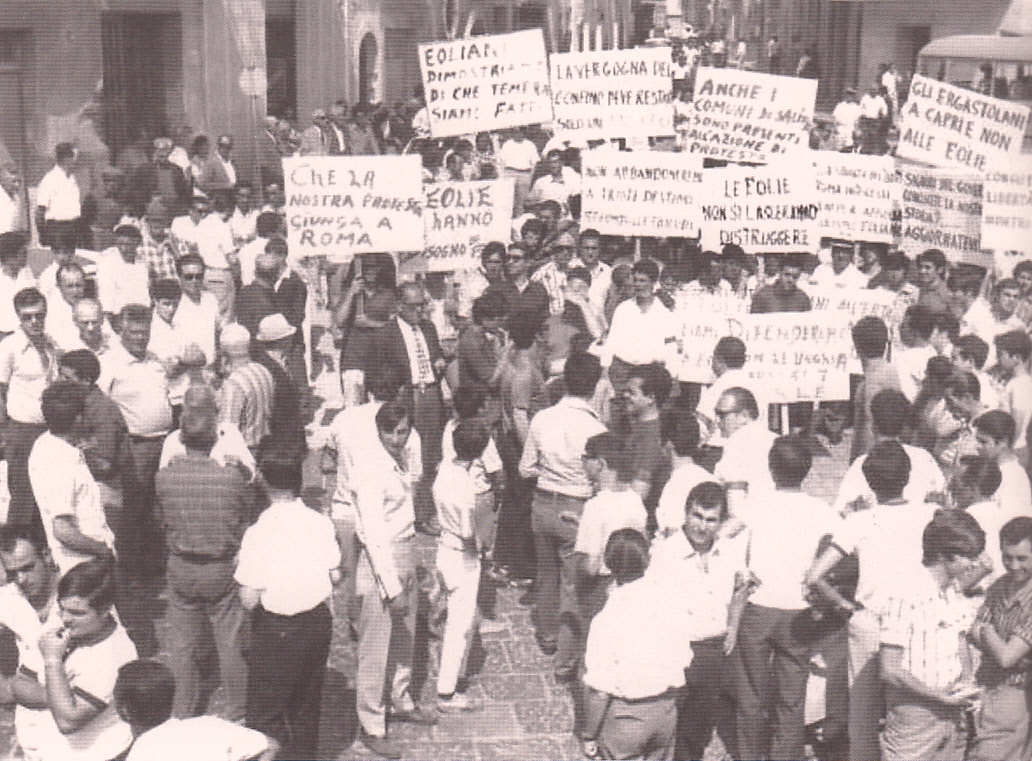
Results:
<point x="409" y="342"/>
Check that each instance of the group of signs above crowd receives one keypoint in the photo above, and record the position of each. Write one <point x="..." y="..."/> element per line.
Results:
<point x="958" y="181"/>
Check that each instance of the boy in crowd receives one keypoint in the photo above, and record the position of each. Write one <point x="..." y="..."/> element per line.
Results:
<point x="648" y="388"/>
<point x="871" y="340"/>
<point x="921" y="657"/>
<point x="1013" y="349"/>
<point x="462" y="497"/>
<point x="970" y="354"/>
<point x="287" y="564"/>
<point x="616" y="505"/>
<point x="890" y="412"/>
<point x="1003" y="632"/>
<point x="680" y="431"/>
<point x="994" y="435"/>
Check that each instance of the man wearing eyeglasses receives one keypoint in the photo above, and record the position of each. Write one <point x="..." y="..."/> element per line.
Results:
<point x="28" y="364"/>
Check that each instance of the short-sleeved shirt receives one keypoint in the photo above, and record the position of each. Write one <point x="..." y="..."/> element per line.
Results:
<point x="247" y="401"/>
<point x="670" y="513"/>
<point x="198" y="322"/>
<point x="63" y="486"/>
<point x="606" y="512"/>
<point x="288" y="555"/>
<point x="201" y="738"/>
<point x="487" y="464"/>
<point x="1008" y="608"/>
<point x="91" y="671"/>
<point x="120" y="282"/>
<point x="26" y="371"/>
<point x="928" y="624"/>
<point x="59" y="194"/>
<point x="230" y="448"/>
<point x="140" y="389"/>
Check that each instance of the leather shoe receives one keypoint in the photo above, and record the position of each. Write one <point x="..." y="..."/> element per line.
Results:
<point x="415" y="715"/>
<point x="381" y="746"/>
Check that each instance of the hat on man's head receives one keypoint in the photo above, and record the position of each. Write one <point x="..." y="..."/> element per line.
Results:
<point x="234" y="335"/>
<point x="274" y="327"/>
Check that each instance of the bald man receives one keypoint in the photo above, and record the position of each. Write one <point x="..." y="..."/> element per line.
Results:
<point x="248" y="389"/>
<point x="257" y="300"/>
<point x="409" y="342"/>
<point x="229" y="448"/>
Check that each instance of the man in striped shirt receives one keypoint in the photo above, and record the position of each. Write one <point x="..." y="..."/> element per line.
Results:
<point x="247" y="390"/>
<point x="924" y="662"/>
<point x="1003" y="632"/>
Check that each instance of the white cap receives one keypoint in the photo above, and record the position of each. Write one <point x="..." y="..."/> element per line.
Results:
<point x="273" y="327"/>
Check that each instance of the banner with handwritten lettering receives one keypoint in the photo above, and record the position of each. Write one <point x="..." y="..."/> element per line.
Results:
<point x="1007" y="209"/>
<point x="942" y="208"/>
<point x="485" y="83"/>
<point x="857" y="195"/>
<point x="640" y="192"/>
<point x="613" y="93"/>
<point x="952" y="126"/>
<point x="769" y="208"/>
<point x="738" y="115"/>
<point x="794" y="356"/>
<point x="339" y="206"/>
<point x="460" y="217"/>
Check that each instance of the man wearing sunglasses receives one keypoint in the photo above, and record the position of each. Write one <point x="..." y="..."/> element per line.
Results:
<point x="28" y="364"/>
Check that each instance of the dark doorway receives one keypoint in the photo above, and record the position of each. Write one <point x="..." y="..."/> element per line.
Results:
<point x="142" y="60"/>
<point x="281" y="57"/>
<point x="13" y="142"/>
<point x="367" y="73"/>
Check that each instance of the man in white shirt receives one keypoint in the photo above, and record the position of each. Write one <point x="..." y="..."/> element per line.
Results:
<point x="1013" y="349"/>
<point x="216" y="247"/>
<point x="742" y="467"/>
<point x="382" y="481"/>
<point x="66" y="493"/>
<point x="10" y="200"/>
<point x="589" y="251"/>
<point x="58" y="197"/>
<point x="28" y="605"/>
<point x="143" y="698"/>
<point x="223" y="148"/>
<point x="845" y="114"/>
<point x="28" y="364"/>
<point x="911" y="359"/>
<point x="887" y="541"/>
<point x="197" y="319"/>
<point x="785" y="529"/>
<point x="266" y="226"/>
<point x="245" y="213"/>
<point x="680" y="433"/>
<point x="642" y="330"/>
<point x="122" y="278"/>
<point x="728" y="365"/>
<point x="702" y="567"/>
<point x="890" y="413"/>
<point x="519" y="156"/>
<point x="69" y="290"/>
<point x="14" y="276"/>
<point x="288" y="562"/>
<point x="553" y="452"/>
<point x="841" y="272"/>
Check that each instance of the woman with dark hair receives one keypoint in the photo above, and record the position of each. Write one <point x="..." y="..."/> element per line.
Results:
<point x="81" y="659"/>
<point x="367" y="305"/>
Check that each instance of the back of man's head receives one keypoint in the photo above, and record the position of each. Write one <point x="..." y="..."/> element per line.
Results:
<point x="524" y="326"/>
<point x="83" y="363"/>
<point x="973" y="349"/>
<point x="143" y="693"/>
<point x="921" y="320"/>
<point x="951" y="534"/>
<point x="680" y="427"/>
<point x="198" y="430"/>
<point x="62" y="404"/>
<point x="890" y="411"/>
<point x="997" y="425"/>
<point x="870" y="337"/>
<point x="581" y="373"/>
<point x="744" y="400"/>
<point x="887" y="470"/>
<point x="281" y="471"/>
<point x="730" y="351"/>
<point x="656" y="382"/>
<point x="384" y="382"/>
<point x="789" y="460"/>
<point x="469" y="439"/>
<point x="468" y="400"/>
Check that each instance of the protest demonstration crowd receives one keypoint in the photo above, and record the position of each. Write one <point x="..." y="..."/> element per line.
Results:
<point x="739" y="406"/>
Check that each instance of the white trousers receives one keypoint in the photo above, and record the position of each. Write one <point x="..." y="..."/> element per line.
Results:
<point x="460" y="574"/>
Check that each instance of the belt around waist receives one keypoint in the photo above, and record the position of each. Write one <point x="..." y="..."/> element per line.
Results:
<point x="153" y="437"/>
<point x="668" y="694"/>
<point x="201" y="559"/>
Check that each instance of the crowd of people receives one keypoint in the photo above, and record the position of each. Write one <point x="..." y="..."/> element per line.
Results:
<point x="853" y="575"/>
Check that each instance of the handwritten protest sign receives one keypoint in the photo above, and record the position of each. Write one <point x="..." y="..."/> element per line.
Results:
<point x="703" y="321"/>
<point x="640" y="193"/>
<point x="1007" y="208"/>
<point x="485" y="83"/>
<point x="460" y="217"/>
<point x="762" y="208"/>
<point x="942" y="208"/>
<point x="749" y="116"/>
<point x="950" y="126"/>
<point x="856" y="195"/>
<point x="794" y="356"/>
<point x="613" y="93"/>
<point x="339" y="206"/>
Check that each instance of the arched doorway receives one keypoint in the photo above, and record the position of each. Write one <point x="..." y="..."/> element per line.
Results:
<point x="367" y="73"/>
